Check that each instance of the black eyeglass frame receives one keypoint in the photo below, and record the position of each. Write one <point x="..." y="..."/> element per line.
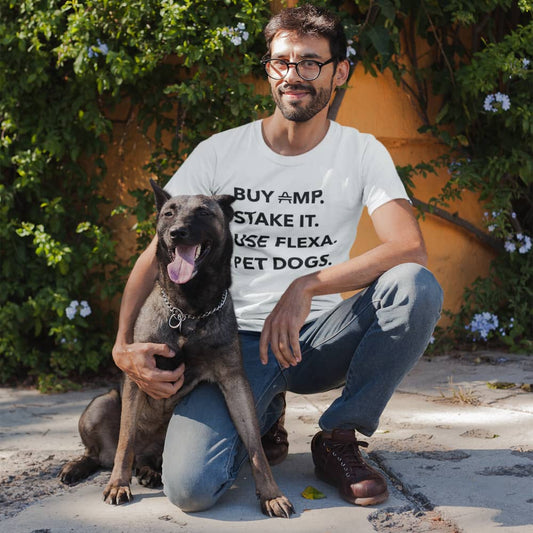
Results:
<point x="320" y="64"/>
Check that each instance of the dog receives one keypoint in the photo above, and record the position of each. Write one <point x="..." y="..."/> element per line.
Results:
<point x="190" y="309"/>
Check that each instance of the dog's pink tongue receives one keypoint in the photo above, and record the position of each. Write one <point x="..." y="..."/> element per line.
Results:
<point x="182" y="268"/>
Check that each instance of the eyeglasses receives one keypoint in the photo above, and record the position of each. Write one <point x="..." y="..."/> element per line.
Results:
<point x="307" y="69"/>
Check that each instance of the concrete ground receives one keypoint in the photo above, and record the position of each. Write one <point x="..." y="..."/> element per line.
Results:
<point x="456" y="448"/>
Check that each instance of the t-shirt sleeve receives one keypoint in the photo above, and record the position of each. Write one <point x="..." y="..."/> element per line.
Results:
<point x="381" y="182"/>
<point x="195" y="176"/>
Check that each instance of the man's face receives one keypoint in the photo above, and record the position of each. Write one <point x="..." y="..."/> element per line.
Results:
<point x="297" y="99"/>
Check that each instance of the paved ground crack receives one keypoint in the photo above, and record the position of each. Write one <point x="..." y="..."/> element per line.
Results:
<point x="418" y="516"/>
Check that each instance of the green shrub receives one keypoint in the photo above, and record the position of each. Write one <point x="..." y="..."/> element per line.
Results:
<point x="63" y="66"/>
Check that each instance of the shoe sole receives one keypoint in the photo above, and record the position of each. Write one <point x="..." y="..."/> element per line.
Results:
<point x="363" y="502"/>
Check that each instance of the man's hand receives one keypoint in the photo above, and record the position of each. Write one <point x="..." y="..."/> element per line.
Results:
<point x="138" y="362"/>
<point x="282" y="327"/>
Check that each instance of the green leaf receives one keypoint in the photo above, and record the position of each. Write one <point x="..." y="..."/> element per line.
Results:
<point x="501" y="385"/>
<point x="310" y="493"/>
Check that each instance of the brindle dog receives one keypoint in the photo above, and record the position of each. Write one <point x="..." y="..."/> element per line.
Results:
<point x="189" y="309"/>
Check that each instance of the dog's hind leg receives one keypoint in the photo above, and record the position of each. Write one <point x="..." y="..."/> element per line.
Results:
<point x="239" y="400"/>
<point x="98" y="427"/>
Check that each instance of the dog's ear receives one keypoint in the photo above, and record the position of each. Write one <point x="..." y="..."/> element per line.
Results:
<point x="161" y="196"/>
<point x="225" y="201"/>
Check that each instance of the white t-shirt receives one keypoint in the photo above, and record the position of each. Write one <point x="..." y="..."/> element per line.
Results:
<point x="293" y="214"/>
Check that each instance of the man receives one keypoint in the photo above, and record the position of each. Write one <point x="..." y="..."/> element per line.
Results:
<point x="300" y="183"/>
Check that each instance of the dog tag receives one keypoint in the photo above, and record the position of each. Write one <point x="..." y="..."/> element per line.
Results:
<point x="175" y="321"/>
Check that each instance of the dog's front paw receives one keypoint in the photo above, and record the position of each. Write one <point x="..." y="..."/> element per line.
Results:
<point x="117" y="494"/>
<point x="279" y="506"/>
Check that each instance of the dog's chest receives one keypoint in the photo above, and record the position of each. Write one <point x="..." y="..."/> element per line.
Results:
<point x="196" y="351"/>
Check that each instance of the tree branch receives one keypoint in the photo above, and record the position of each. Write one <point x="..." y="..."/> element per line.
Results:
<point x="492" y="242"/>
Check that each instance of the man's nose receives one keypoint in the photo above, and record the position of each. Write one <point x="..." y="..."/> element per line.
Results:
<point x="292" y="74"/>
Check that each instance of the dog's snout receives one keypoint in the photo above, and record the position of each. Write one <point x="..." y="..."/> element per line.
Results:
<point x="180" y="233"/>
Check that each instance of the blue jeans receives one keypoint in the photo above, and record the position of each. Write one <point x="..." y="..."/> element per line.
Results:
<point x="367" y="343"/>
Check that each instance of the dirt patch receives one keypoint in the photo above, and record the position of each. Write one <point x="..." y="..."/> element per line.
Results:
<point x="421" y="445"/>
<point x="514" y="471"/>
<point x="407" y="519"/>
<point x="479" y="434"/>
<point x="28" y="477"/>
<point x="522" y="451"/>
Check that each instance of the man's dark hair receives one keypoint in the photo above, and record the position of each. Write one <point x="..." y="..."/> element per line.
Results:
<point x="310" y="20"/>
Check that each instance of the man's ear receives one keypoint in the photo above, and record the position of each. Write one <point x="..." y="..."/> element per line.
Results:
<point x="161" y="196"/>
<point x="342" y="73"/>
<point x="225" y="201"/>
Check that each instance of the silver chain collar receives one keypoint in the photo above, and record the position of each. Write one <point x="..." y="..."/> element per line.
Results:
<point x="177" y="317"/>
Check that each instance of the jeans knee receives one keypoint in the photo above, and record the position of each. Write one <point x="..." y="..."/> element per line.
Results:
<point x="429" y="291"/>
<point x="416" y="287"/>
<point x="191" y="495"/>
<point x="192" y="486"/>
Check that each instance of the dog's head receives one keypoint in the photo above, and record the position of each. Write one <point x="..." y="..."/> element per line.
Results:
<point x="193" y="233"/>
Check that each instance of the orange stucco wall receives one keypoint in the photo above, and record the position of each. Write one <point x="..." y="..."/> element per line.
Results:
<point x="374" y="105"/>
<point x="379" y="106"/>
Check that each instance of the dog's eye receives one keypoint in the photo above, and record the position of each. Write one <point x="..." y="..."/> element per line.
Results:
<point x="203" y="212"/>
<point x="168" y="213"/>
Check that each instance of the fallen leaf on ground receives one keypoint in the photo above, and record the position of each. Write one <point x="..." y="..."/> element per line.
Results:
<point x="501" y="385"/>
<point x="310" y="493"/>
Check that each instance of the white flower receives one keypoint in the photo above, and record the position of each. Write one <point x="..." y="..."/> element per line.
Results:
<point x="74" y="307"/>
<point x="525" y="62"/>
<point x="496" y="102"/>
<point x="236" y="35"/>
<point x="96" y="50"/>
<point x="104" y="49"/>
<point x="70" y="311"/>
<point x="350" y="51"/>
<point x="85" y="310"/>
<point x="526" y="244"/>
<point x="521" y="242"/>
<point x="455" y="167"/>
<point x="509" y="246"/>
<point x="491" y="228"/>
<point x="504" y="100"/>
<point x="487" y="104"/>
<point x="483" y="324"/>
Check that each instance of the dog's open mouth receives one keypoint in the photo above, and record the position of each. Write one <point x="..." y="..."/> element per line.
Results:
<point x="185" y="261"/>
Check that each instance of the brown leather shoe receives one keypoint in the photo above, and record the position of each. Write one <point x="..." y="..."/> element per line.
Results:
<point x="338" y="462"/>
<point x="275" y="441"/>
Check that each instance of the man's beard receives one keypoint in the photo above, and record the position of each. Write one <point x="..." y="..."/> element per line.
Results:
<point x="297" y="111"/>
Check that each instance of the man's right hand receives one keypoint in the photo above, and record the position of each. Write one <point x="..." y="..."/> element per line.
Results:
<point x="138" y="362"/>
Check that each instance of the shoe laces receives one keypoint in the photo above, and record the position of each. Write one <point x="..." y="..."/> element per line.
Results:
<point x="348" y="455"/>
